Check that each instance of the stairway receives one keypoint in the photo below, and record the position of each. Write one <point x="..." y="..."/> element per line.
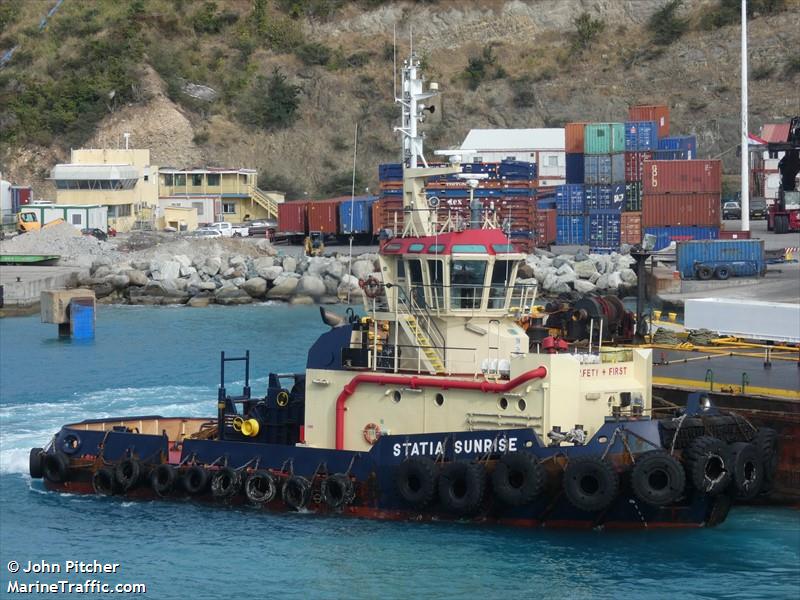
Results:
<point x="264" y="200"/>
<point x="430" y="357"/>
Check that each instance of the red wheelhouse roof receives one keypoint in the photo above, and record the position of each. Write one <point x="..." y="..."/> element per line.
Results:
<point x="471" y="241"/>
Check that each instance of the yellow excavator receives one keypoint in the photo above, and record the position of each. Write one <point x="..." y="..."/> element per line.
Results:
<point x="315" y="246"/>
<point x="27" y="221"/>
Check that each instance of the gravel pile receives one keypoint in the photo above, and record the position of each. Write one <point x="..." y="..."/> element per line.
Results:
<point x="64" y="240"/>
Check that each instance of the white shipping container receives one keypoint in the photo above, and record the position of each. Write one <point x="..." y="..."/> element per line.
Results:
<point x="79" y="216"/>
<point x="749" y="319"/>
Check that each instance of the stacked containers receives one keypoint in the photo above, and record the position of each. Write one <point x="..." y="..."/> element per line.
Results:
<point x="681" y="200"/>
<point x="651" y="112"/>
<point x="571" y="206"/>
<point x="604" y="178"/>
<point x="679" y="147"/>
<point x="574" y="141"/>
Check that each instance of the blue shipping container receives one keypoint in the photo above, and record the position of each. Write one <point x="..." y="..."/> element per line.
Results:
<point x="604" y="168"/>
<point x="359" y="213"/>
<point x="569" y="199"/>
<point x="604" y="197"/>
<point x="742" y="258"/>
<point x="640" y="136"/>
<point x="518" y="170"/>
<point x="570" y="230"/>
<point x="684" y="143"/>
<point x="665" y="235"/>
<point x="670" y="155"/>
<point x="603" y="228"/>
<point x="574" y="168"/>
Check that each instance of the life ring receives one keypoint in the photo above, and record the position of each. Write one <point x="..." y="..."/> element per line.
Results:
<point x="372" y="433"/>
<point x="708" y="464"/>
<point x="372" y="286"/>
<point x="260" y="487"/>
<point x="55" y="467"/>
<point x="657" y="478"/>
<point x="127" y="473"/>
<point x="70" y="443"/>
<point x="225" y="482"/>
<point x="162" y="479"/>
<point x="337" y="490"/>
<point x="195" y="480"/>
<point x="35" y="462"/>
<point x="416" y="481"/>
<point x="590" y="483"/>
<point x="103" y="481"/>
<point x="462" y="486"/>
<point x="296" y="492"/>
<point x="748" y="470"/>
<point x="518" y="478"/>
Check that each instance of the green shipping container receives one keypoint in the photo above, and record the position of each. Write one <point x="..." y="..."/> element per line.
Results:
<point x="604" y="138"/>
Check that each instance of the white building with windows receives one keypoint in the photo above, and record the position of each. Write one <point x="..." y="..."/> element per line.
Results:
<point x="545" y="147"/>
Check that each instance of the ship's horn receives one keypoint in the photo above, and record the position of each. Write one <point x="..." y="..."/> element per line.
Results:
<point x="330" y="318"/>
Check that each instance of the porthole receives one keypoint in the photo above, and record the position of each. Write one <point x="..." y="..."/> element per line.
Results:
<point x="502" y="403"/>
<point x="439" y="400"/>
<point x="522" y="405"/>
<point x="396" y="396"/>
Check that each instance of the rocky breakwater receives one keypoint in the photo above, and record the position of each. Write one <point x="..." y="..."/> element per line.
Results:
<point x="229" y="279"/>
<point x="578" y="274"/>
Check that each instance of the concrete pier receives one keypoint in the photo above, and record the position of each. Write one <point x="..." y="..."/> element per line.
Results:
<point x="22" y="286"/>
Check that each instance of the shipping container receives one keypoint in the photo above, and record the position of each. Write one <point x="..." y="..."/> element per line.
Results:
<point x="641" y="135"/>
<point x="740" y="258"/>
<point x="662" y="210"/>
<point x="630" y="228"/>
<point x="575" y="166"/>
<point x="634" y="165"/>
<point x="687" y="144"/>
<point x="21" y="194"/>
<point x="293" y="218"/>
<point x="570" y="199"/>
<point x="377" y="212"/>
<point x="604" y="138"/>
<point x="390" y="172"/>
<point x="651" y="112"/>
<point x="574" y="137"/>
<point x="633" y="196"/>
<point x="603" y="229"/>
<point x="546" y="227"/>
<point x="355" y="216"/>
<point x="664" y="235"/>
<point x="682" y="176"/>
<point x="570" y="230"/>
<point x="604" y="197"/>
<point x="604" y="169"/>
<point x="669" y="155"/>
<point x="323" y="215"/>
<point x="516" y="170"/>
<point x="734" y="235"/>
<point x="80" y="216"/>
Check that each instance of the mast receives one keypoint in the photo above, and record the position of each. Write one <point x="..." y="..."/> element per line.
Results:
<point x="745" y="193"/>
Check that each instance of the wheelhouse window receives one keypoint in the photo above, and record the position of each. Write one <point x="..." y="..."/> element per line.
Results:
<point x="501" y="280"/>
<point x="466" y="283"/>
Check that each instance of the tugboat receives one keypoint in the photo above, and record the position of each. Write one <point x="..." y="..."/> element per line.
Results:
<point x="431" y="406"/>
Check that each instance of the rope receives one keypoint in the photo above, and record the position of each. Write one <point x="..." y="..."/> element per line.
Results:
<point x="680" y="420"/>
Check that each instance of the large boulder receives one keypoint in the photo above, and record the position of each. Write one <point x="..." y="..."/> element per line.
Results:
<point x="141" y="265"/>
<point x="270" y="273"/>
<point x="200" y="301"/>
<point x="337" y="270"/>
<point x="318" y="265"/>
<point x="229" y="295"/>
<point x="628" y="276"/>
<point x="348" y="287"/>
<point x="331" y="285"/>
<point x="585" y="269"/>
<point x="184" y="260"/>
<point x="165" y="269"/>
<point x="212" y="265"/>
<point x="311" y="285"/>
<point x="100" y="261"/>
<point x="565" y="269"/>
<point x="102" y="272"/>
<point x="188" y="271"/>
<point x="614" y="280"/>
<point x="283" y="289"/>
<point x="237" y="261"/>
<point x="120" y="282"/>
<point x="256" y="287"/>
<point x="289" y="264"/>
<point x="157" y="292"/>
<point x="525" y="271"/>
<point x="362" y="269"/>
<point x="584" y="287"/>
<point x="136" y="277"/>
<point x="302" y="300"/>
<point x="260" y="265"/>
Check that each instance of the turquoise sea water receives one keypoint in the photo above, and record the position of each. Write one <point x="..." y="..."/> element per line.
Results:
<point x="166" y="361"/>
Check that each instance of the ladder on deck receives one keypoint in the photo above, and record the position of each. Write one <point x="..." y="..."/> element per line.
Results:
<point x="419" y="327"/>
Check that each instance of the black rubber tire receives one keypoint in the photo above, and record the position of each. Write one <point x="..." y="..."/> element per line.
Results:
<point x="518" y="478"/>
<point x="260" y="487"/>
<point x="127" y="473"/>
<point x="415" y="479"/>
<point x="337" y="490"/>
<point x="722" y="272"/>
<point x="225" y="482"/>
<point x="195" y="480"/>
<point x="70" y="443"/>
<point x="657" y="478"/>
<point x="103" y="481"/>
<point x="704" y="273"/>
<point x="55" y="467"/>
<point x="461" y="487"/>
<point x="162" y="479"/>
<point x="590" y="483"/>
<point x="296" y="492"/>
<point x="766" y="442"/>
<point x="35" y="460"/>
<point x="781" y="224"/>
<point x="708" y="464"/>
<point x="748" y="470"/>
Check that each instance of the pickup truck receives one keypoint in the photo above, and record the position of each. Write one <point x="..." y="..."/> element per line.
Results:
<point x="230" y="230"/>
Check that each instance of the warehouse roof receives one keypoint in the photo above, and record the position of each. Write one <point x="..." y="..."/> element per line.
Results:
<point x="514" y="139"/>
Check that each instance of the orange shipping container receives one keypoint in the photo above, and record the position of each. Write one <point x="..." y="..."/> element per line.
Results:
<point x="631" y="228"/>
<point x="682" y="177"/>
<point x="573" y="137"/>
<point x="545" y="227"/>
<point x="293" y="217"/>
<point x="651" y="112"/>
<point x="664" y="210"/>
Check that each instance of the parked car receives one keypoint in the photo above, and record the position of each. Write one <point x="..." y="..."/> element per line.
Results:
<point x="95" y="232"/>
<point x="205" y="232"/>
<point x="758" y="208"/>
<point x="230" y="230"/>
<point x="731" y="210"/>
<point x="263" y="228"/>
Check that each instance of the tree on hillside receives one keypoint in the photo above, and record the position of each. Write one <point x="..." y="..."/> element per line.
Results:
<point x="273" y="103"/>
<point x="665" y="24"/>
<point x="586" y="31"/>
